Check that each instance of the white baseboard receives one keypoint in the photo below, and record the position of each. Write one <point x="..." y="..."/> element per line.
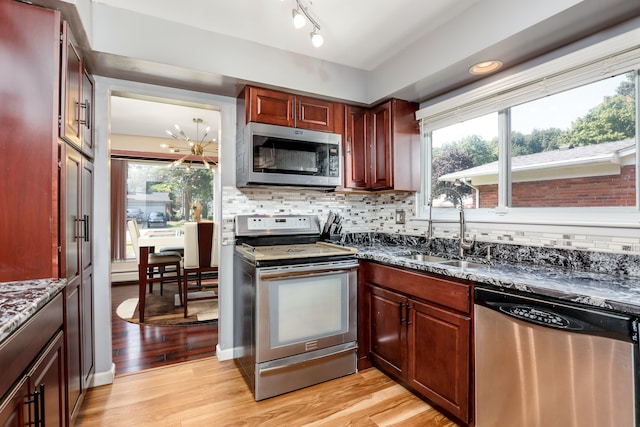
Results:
<point x="102" y="378"/>
<point x="224" y="354"/>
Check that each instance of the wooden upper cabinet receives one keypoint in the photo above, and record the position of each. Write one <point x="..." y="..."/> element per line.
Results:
<point x="283" y="109"/>
<point x="269" y="106"/>
<point x="70" y="84"/>
<point x="87" y="114"/>
<point x="315" y="114"/>
<point x="381" y="148"/>
<point x="76" y="96"/>
<point x="356" y="158"/>
<point x="386" y="155"/>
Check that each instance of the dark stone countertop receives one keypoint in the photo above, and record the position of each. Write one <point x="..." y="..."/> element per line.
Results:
<point x="620" y="293"/>
<point x="21" y="300"/>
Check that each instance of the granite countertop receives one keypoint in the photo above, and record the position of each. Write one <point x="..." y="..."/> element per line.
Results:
<point x="620" y="293"/>
<point x="21" y="300"/>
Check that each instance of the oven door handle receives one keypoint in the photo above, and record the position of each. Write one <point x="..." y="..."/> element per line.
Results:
<point x="267" y="371"/>
<point x="303" y="274"/>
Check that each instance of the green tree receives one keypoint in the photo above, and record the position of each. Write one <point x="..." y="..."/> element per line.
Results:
<point x="451" y="160"/>
<point x="611" y="120"/>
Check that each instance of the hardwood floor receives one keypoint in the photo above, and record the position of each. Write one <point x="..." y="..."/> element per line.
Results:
<point x="152" y="388"/>
<point x="137" y="347"/>
<point x="208" y="392"/>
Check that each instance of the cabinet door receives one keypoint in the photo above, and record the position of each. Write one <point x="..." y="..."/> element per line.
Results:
<point x="86" y="258"/>
<point x="314" y="114"/>
<point x="47" y="378"/>
<point x="388" y="330"/>
<point x="87" y="115"/>
<point x="381" y="147"/>
<point x="30" y="58"/>
<point x="356" y="158"/>
<point x="87" y="328"/>
<point x="439" y="357"/>
<point x="71" y="216"/>
<point x="270" y="106"/>
<point x="71" y="78"/>
<point x="73" y="337"/>
<point x="13" y="408"/>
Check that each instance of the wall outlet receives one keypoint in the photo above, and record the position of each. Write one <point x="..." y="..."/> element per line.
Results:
<point x="400" y="216"/>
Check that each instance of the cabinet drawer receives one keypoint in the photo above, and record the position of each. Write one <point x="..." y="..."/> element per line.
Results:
<point x="19" y="350"/>
<point x="447" y="293"/>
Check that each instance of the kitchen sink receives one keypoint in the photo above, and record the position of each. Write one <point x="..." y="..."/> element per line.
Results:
<point x="462" y="264"/>
<point x="425" y="258"/>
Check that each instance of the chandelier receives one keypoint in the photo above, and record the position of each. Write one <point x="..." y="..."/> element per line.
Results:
<point x="196" y="150"/>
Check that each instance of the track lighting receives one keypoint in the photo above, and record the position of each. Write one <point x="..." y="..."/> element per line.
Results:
<point x="300" y="16"/>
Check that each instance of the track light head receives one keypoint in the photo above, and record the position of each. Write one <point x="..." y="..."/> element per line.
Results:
<point x="299" y="20"/>
<point x="316" y="38"/>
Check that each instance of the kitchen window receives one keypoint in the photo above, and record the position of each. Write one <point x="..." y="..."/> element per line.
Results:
<point x="545" y="152"/>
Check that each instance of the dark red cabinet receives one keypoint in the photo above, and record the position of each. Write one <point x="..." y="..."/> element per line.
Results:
<point x="284" y="109"/>
<point x="417" y="329"/>
<point x="382" y="147"/>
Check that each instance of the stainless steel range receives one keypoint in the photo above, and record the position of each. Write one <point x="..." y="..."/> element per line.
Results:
<point x="294" y="304"/>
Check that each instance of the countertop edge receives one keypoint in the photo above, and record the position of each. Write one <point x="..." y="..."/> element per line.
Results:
<point x="20" y="300"/>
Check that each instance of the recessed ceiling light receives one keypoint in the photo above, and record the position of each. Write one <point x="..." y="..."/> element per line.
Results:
<point x="485" y="67"/>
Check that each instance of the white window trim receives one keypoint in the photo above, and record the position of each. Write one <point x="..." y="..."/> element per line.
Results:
<point x="575" y="69"/>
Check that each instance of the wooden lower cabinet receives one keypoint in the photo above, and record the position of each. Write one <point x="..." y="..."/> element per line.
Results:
<point x="439" y="357"/>
<point x="417" y="329"/>
<point x="33" y="371"/>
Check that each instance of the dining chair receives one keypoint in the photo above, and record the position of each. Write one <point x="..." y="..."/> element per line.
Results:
<point x="200" y="256"/>
<point x="158" y="262"/>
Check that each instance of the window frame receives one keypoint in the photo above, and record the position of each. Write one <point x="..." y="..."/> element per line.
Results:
<point x="500" y="94"/>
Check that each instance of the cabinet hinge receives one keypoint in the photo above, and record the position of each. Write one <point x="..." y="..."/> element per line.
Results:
<point x="59" y="164"/>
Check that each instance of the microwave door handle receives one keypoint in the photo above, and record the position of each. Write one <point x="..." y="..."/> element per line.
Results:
<point x="303" y="274"/>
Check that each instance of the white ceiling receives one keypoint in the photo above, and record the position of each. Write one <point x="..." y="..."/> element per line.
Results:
<point x="411" y="49"/>
<point x="357" y="33"/>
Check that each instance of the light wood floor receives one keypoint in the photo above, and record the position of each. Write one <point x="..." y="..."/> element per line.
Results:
<point x="208" y="392"/>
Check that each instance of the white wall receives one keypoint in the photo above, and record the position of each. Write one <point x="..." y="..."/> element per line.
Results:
<point x="104" y="88"/>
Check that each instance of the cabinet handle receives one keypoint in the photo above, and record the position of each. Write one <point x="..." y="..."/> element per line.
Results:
<point x="407" y="318"/>
<point x="38" y="407"/>
<point x="86" y="228"/>
<point x="294" y="113"/>
<point x="82" y="230"/>
<point x="87" y="113"/>
<point x="401" y="313"/>
<point x="42" y="413"/>
<point x="79" y="228"/>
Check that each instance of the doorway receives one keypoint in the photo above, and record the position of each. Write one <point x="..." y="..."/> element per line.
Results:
<point x="157" y="179"/>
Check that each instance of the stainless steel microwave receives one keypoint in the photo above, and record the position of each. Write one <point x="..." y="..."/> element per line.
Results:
<point x="279" y="155"/>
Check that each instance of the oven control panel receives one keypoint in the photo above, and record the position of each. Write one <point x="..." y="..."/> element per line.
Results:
<point x="262" y="225"/>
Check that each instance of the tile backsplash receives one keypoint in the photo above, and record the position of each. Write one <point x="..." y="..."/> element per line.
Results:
<point x="376" y="212"/>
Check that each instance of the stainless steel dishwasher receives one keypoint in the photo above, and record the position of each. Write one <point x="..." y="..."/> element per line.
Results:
<point x="545" y="363"/>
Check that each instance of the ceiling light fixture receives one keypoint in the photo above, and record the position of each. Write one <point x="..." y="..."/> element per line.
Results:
<point x="300" y="16"/>
<point x="197" y="148"/>
<point x="485" y="67"/>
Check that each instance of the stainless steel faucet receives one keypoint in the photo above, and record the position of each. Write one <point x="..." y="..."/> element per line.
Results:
<point x="463" y="245"/>
<point x="430" y="227"/>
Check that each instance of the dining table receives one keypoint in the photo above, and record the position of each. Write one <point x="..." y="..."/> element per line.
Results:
<point x="147" y="243"/>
